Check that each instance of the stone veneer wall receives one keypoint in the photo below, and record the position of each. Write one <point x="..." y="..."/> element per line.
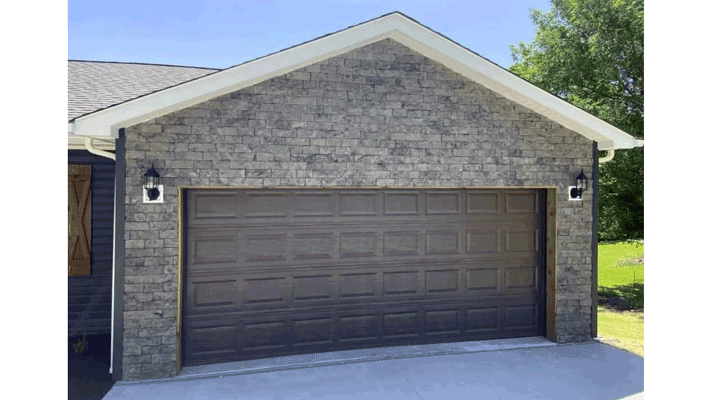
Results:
<point x="379" y="115"/>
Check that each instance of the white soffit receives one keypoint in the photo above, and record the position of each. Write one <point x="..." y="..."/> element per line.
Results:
<point x="394" y="26"/>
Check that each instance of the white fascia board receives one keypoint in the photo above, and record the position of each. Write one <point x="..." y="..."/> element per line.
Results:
<point x="395" y="26"/>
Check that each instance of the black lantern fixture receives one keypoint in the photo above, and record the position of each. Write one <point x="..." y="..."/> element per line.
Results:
<point x="151" y="180"/>
<point x="581" y="183"/>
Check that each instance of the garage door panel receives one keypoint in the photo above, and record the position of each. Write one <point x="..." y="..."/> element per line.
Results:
<point x="442" y="281"/>
<point x="401" y="243"/>
<point x="482" y="279"/>
<point x="521" y="241"/>
<point x="212" y="294"/>
<point x="267" y="205"/>
<point x="360" y="327"/>
<point x="314" y="287"/>
<point x="440" y="322"/>
<point x="383" y="263"/>
<point x="484" y="241"/>
<point x="314" y="246"/>
<point x="401" y="203"/>
<point x="360" y="244"/>
<point x="521" y="202"/>
<point x="213" y="339"/>
<point x="360" y="204"/>
<point x="206" y="206"/>
<point x="294" y="287"/>
<point x="289" y="271"/>
<point x="403" y="324"/>
<point x="442" y="242"/>
<point x="215" y="293"/>
<point x="402" y="283"/>
<point x="483" y="318"/>
<point x="442" y="202"/>
<point x="265" y="335"/>
<point x="520" y="316"/>
<point x="482" y="202"/>
<point x="265" y="248"/>
<point x="513" y="222"/>
<point x="214" y="250"/>
<point x="267" y="291"/>
<point x="360" y="285"/>
<point x="314" y="204"/>
<point x="313" y="330"/>
<point x="521" y="278"/>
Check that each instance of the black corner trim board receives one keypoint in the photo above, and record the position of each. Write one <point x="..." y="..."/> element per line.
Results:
<point x="119" y="250"/>
<point x="593" y="325"/>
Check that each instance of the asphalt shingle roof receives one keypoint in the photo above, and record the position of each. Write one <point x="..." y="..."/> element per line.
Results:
<point x="95" y="85"/>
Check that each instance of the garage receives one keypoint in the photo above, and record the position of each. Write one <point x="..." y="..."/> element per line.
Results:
<point x="287" y="271"/>
<point x="380" y="185"/>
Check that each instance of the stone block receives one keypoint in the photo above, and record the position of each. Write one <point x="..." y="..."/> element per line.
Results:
<point x="129" y="287"/>
<point x="158" y="371"/>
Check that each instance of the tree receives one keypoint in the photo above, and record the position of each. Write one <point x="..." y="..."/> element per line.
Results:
<point x="591" y="54"/>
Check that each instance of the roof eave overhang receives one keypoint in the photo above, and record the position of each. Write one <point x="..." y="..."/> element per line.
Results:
<point x="76" y="142"/>
<point x="107" y="122"/>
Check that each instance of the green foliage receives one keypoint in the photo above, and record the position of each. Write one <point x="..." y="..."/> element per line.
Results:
<point x="591" y="54"/>
<point x="80" y="345"/>
<point x="621" y="196"/>
<point x="620" y="272"/>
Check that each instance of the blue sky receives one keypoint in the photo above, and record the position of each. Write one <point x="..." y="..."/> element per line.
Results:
<point x="223" y="33"/>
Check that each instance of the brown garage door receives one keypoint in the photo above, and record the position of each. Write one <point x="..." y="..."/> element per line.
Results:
<point x="273" y="272"/>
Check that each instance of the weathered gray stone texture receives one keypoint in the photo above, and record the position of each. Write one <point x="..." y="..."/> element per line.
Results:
<point x="381" y="115"/>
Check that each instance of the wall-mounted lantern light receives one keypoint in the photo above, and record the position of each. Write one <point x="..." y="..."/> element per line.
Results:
<point x="152" y="189"/>
<point x="581" y="183"/>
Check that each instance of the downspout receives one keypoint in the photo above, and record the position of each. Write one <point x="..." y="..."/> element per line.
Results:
<point x="88" y="141"/>
<point x="610" y="154"/>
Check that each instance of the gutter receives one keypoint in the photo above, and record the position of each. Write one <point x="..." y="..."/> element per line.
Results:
<point x="89" y="142"/>
<point x="611" y="152"/>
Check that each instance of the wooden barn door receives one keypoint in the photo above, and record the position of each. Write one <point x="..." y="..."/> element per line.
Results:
<point x="79" y="219"/>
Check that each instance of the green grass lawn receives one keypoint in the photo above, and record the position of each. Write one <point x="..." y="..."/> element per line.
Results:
<point x="617" y="266"/>
<point x="621" y="273"/>
<point x="627" y="327"/>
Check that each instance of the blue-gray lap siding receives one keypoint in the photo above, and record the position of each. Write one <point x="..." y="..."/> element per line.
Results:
<point x="90" y="296"/>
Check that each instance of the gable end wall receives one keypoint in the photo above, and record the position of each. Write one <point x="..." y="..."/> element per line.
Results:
<point x="380" y="115"/>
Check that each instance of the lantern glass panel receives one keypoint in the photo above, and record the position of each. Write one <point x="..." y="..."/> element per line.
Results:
<point x="148" y="183"/>
<point x="151" y="179"/>
<point x="581" y="182"/>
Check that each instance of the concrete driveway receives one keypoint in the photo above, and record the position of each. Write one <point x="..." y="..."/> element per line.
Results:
<point x="519" y="369"/>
